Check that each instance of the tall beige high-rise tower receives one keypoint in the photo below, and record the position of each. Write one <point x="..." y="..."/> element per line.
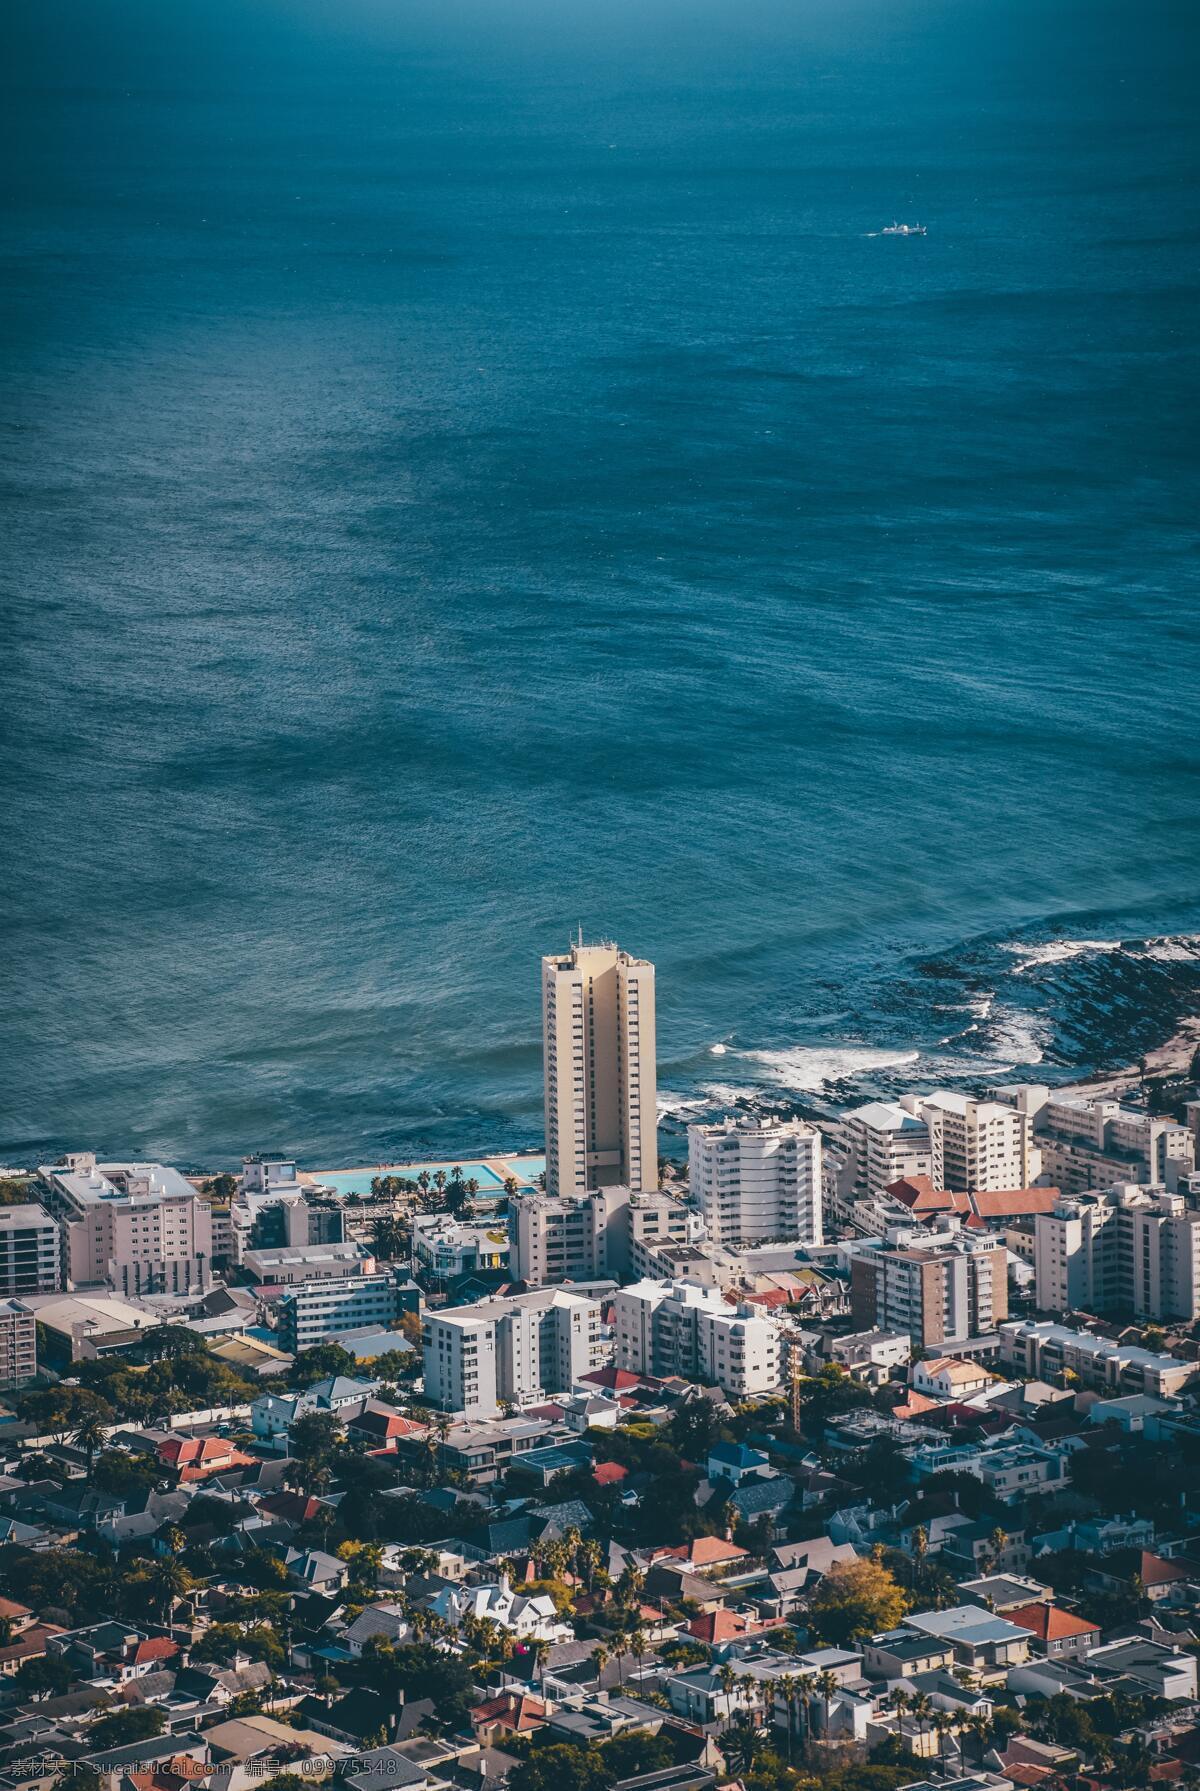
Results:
<point x="601" y="1083"/>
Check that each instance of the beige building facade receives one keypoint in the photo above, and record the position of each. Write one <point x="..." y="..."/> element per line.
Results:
<point x="600" y="1080"/>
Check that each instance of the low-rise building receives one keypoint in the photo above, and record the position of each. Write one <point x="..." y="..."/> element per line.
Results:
<point x="981" y="1641"/>
<point x="510" y="1351"/>
<point x="288" y="1265"/>
<point x="448" y="1248"/>
<point x="1056" y="1634"/>
<point x="1043" y="1350"/>
<point x="1094" y="1143"/>
<point x="273" y="1414"/>
<point x="314" y="1311"/>
<point x="950" y="1377"/>
<point x="675" y="1328"/>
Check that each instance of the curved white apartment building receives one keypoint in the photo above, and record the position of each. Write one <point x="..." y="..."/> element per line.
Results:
<point x="755" y="1181"/>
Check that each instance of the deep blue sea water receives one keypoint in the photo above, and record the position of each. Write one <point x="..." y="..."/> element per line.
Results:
<point x="474" y="469"/>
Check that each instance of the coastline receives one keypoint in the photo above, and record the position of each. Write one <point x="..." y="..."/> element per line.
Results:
<point x="1172" y="1059"/>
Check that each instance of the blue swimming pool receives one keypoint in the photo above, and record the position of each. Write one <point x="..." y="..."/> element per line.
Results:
<point x="527" y="1169"/>
<point x="358" y="1181"/>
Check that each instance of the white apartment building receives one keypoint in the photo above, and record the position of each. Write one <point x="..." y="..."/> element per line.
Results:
<point x="448" y="1247"/>
<point x="286" y="1265"/>
<point x="756" y="1181"/>
<point x="675" y="1328"/>
<point x="1094" y="1144"/>
<point x="137" y="1227"/>
<point x="30" y="1251"/>
<point x="513" y="1350"/>
<point x="582" y="1238"/>
<point x="1128" y="1249"/>
<point x="1042" y="1350"/>
<point x="600" y="1075"/>
<point x="885" y="1143"/>
<point x="323" y="1307"/>
<point x="267" y="1174"/>
<point x="976" y="1146"/>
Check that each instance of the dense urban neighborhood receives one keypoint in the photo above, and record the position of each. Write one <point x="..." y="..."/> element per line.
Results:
<point x="850" y="1454"/>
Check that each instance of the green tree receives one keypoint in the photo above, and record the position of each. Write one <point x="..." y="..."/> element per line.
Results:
<point x="561" y="1767"/>
<point x="138" y="1724"/>
<point x="45" y="1676"/>
<point x="855" y="1599"/>
<point x="321" y="1363"/>
<point x="634" y="1752"/>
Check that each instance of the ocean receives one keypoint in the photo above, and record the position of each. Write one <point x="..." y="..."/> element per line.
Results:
<point x="475" y="470"/>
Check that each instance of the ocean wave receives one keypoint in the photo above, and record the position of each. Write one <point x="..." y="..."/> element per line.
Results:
<point x="1056" y="951"/>
<point x="1173" y="948"/>
<point x="672" y="1105"/>
<point x="1016" y="1036"/>
<point x="807" y="1069"/>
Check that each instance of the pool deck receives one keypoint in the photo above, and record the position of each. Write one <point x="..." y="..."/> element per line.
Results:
<point x="501" y="1168"/>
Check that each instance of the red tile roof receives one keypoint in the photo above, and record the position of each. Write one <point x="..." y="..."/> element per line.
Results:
<point x="293" y="1508"/>
<point x="913" y="1406"/>
<point x="1050" y="1624"/>
<point x="702" y="1551"/>
<point x="151" y="1648"/>
<point x="609" y="1473"/>
<point x="719" y="1626"/>
<point x="1155" y="1571"/>
<point x="1011" y="1203"/>
<point x="919" y="1195"/>
<point x="196" y="1457"/>
<point x="511" y="1710"/>
<point x="619" y="1379"/>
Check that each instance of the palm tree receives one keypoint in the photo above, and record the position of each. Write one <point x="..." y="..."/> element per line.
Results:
<point x="943" y="1722"/>
<point x="978" y="1725"/>
<point x="806" y="1686"/>
<point x="168" y="1582"/>
<point x="999" y="1542"/>
<point x="541" y="1654"/>
<point x="901" y="1702"/>
<point x="828" y="1685"/>
<point x="920" y="1546"/>
<point x="601" y="1657"/>
<point x="788" y="1692"/>
<point x="922" y="1710"/>
<point x="90" y="1436"/>
<point x="727" y="1679"/>
<point x="740" y="1743"/>
<point x="637" y="1642"/>
<point x="573" y="1543"/>
<point x="591" y="1555"/>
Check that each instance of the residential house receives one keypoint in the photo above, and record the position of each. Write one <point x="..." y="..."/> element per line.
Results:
<point x="734" y="1464"/>
<point x="982" y="1642"/>
<point x="1057" y="1634"/>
